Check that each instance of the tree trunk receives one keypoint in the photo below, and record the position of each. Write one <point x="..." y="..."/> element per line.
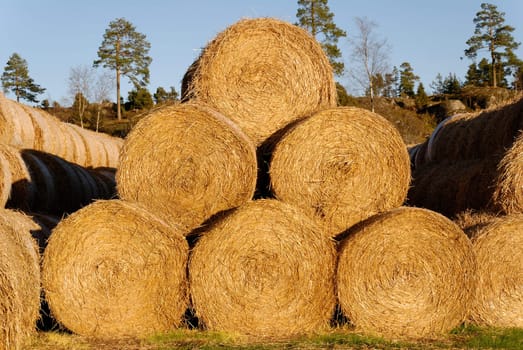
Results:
<point x="494" y="78"/>
<point x="118" y="111"/>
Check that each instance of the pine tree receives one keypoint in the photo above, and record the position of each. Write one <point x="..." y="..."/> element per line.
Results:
<point x="493" y="34"/>
<point x="421" y="97"/>
<point x="125" y="51"/>
<point x="316" y="17"/>
<point x="407" y="80"/>
<point x="17" y="80"/>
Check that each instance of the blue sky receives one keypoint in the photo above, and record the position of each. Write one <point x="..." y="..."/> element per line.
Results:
<point x="56" y="35"/>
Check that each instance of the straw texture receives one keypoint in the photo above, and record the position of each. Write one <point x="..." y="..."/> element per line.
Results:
<point x="264" y="270"/>
<point x="408" y="272"/>
<point x="476" y="135"/>
<point x="262" y="73"/>
<point x="112" y="269"/>
<point x="498" y="246"/>
<point x="508" y="194"/>
<point x="343" y="165"/>
<point x="20" y="279"/>
<point x="185" y="163"/>
<point x="5" y="179"/>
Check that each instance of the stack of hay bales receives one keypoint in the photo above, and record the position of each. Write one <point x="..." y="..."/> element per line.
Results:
<point x="471" y="161"/>
<point x="45" y="183"/>
<point x="19" y="278"/>
<point x="32" y="128"/>
<point x="266" y="267"/>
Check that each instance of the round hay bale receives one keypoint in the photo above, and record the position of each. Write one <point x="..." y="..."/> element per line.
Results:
<point x="498" y="298"/>
<point x="185" y="163"/>
<point x="477" y="135"/>
<point x="81" y="155"/>
<point x="68" y="147"/>
<point x="508" y="193"/>
<point x="47" y="132"/>
<point x="6" y="126"/>
<point x="264" y="269"/>
<point x="23" y="190"/>
<point x="262" y="73"/>
<point x="342" y="164"/>
<point x="20" y="277"/>
<point x="5" y="179"/>
<point x="112" y="146"/>
<point x="409" y="272"/>
<point x="450" y="188"/>
<point x="13" y="331"/>
<point x="23" y="130"/>
<point x="112" y="269"/>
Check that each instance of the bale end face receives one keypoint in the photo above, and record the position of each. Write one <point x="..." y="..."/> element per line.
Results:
<point x="409" y="272"/>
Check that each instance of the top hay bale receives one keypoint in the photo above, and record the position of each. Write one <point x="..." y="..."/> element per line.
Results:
<point x="263" y="74"/>
<point x="343" y="165"/>
<point x="185" y="163"/>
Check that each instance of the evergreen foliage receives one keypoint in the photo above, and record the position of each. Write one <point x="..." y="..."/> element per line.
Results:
<point x="139" y="98"/>
<point x="125" y="51"/>
<point x="491" y="33"/>
<point x="316" y="17"/>
<point x="16" y="79"/>
<point x="162" y="96"/>
<point x="421" y="97"/>
<point x="407" y="80"/>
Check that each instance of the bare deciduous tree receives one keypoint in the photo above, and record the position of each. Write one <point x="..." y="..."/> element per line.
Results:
<point x="101" y="90"/>
<point x="80" y="83"/>
<point x="369" y="56"/>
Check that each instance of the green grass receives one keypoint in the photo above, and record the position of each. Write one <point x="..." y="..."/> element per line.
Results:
<point x="469" y="337"/>
<point x="491" y="338"/>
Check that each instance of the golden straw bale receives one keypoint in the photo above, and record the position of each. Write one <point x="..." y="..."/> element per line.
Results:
<point x="6" y="127"/>
<point x="450" y="188"/>
<point x="23" y="190"/>
<point x="508" y="193"/>
<point x="264" y="269"/>
<point x="47" y="132"/>
<point x="342" y="164"/>
<point x="20" y="278"/>
<point x="67" y="140"/>
<point x="5" y="179"/>
<point x="81" y="154"/>
<point x="498" y="300"/>
<point x="112" y="269"/>
<point x="187" y="162"/>
<point x="477" y="135"/>
<point x="262" y="73"/>
<point x="21" y="125"/>
<point x="409" y="272"/>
